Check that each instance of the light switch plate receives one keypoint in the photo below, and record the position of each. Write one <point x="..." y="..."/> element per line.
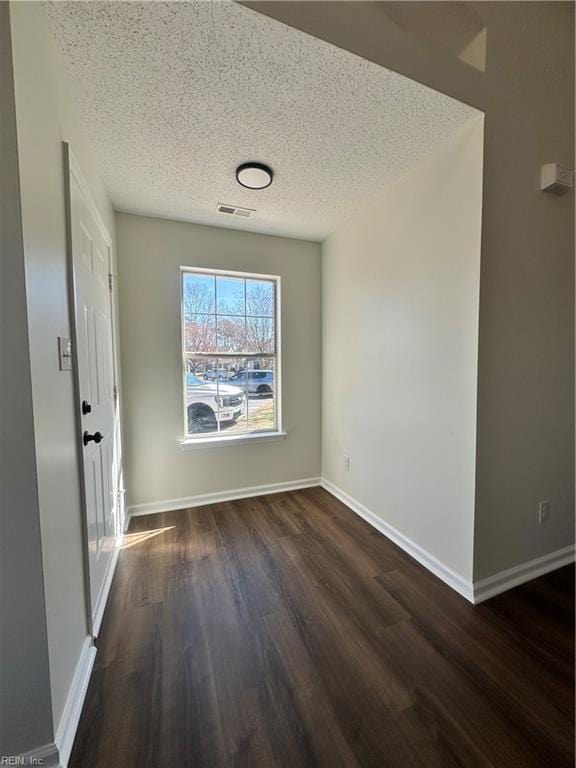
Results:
<point x="64" y="353"/>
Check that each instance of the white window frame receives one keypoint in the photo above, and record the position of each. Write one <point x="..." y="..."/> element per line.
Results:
<point x="222" y="439"/>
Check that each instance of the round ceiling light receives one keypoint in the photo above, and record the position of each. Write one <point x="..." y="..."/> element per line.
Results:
<point x="254" y="175"/>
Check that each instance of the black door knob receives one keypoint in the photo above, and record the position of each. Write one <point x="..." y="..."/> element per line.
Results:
<point x="86" y="407"/>
<point x="96" y="437"/>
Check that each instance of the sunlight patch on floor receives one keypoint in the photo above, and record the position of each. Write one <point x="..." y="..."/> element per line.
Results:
<point x="131" y="539"/>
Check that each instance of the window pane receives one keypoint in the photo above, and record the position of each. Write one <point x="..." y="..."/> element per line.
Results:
<point x="198" y="293"/>
<point x="237" y="368"/>
<point x="232" y="394"/>
<point x="260" y="298"/>
<point x="260" y="335"/>
<point x="231" y="333"/>
<point x="201" y="389"/>
<point x="201" y="367"/>
<point x="199" y="333"/>
<point x="230" y="295"/>
<point x="261" y="395"/>
<point x="225" y="319"/>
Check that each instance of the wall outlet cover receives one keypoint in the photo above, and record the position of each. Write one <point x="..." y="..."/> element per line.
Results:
<point x="543" y="512"/>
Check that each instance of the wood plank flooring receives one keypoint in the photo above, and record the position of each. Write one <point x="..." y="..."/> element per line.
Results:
<point x="285" y="631"/>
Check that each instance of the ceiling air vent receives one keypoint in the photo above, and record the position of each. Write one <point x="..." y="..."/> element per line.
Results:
<point x="234" y="210"/>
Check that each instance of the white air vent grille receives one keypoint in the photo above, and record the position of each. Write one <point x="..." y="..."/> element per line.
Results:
<point x="234" y="210"/>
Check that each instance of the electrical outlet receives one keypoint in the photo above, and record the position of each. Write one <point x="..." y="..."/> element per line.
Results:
<point x="544" y="512"/>
<point x="347" y="463"/>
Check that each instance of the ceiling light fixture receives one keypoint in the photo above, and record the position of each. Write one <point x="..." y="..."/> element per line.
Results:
<point x="254" y="175"/>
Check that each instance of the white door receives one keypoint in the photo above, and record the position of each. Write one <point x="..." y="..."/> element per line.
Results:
<point x="95" y="388"/>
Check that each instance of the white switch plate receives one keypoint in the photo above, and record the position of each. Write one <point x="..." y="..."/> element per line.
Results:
<point x="64" y="353"/>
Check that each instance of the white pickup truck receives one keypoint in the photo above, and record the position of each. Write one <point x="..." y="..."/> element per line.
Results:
<point x="209" y="404"/>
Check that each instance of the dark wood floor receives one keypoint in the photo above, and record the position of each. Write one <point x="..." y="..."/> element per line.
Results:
<point x="285" y="631"/>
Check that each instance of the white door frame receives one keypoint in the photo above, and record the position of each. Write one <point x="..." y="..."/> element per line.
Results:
<point x="72" y="169"/>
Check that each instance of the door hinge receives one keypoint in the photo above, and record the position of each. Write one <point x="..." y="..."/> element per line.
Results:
<point x="110" y="279"/>
<point x="115" y="393"/>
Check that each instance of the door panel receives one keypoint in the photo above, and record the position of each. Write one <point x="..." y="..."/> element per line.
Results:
<point x="95" y="383"/>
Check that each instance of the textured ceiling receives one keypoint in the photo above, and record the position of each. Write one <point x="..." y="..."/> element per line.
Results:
<point x="176" y="95"/>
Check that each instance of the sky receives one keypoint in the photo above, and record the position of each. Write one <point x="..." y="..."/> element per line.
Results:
<point x="229" y="291"/>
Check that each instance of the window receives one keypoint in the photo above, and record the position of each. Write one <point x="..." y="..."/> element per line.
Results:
<point x="230" y="354"/>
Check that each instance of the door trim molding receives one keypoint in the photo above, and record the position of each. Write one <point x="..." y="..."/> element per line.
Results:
<point x="57" y="754"/>
<point x="105" y="590"/>
<point x="75" y="700"/>
<point x="72" y="171"/>
<point x="46" y="756"/>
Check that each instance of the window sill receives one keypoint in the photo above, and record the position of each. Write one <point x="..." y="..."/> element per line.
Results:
<point x="222" y="442"/>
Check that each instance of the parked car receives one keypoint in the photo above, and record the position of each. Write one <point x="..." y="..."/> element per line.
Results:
<point x="257" y="382"/>
<point x="216" y="374"/>
<point x="209" y="404"/>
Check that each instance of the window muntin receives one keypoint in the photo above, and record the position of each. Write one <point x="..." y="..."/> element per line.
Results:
<point x="230" y="353"/>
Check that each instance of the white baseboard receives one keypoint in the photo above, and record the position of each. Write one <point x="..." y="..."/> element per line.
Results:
<point x="57" y="755"/>
<point x="73" y="707"/>
<point x="513" y="577"/>
<point x="105" y="590"/>
<point x="455" y="580"/>
<point x="475" y="592"/>
<point x="46" y="756"/>
<point x="171" y="505"/>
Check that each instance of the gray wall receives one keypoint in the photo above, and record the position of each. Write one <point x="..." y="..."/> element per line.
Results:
<point x="525" y="449"/>
<point x="400" y="294"/>
<point x="525" y="440"/>
<point x="150" y="253"/>
<point x="25" y="716"/>
<point x="46" y="116"/>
